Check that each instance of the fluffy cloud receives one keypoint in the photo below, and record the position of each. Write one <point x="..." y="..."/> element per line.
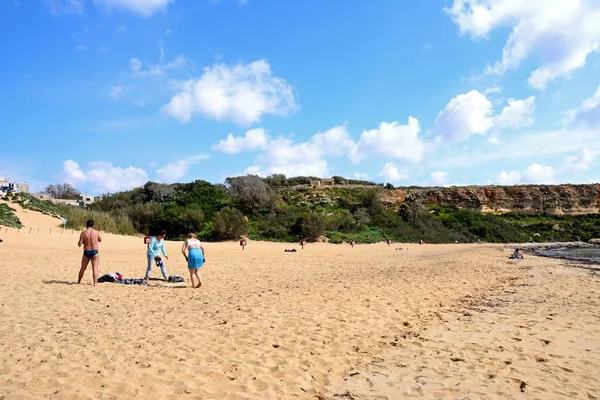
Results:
<point x="144" y="8"/>
<point x="390" y="140"/>
<point x="581" y="162"/>
<point x="102" y="176"/>
<point x="253" y="139"/>
<point x="561" y="32"/>
<point x="176" y="170"/>
<point x="534" y="174"/>
<point x="589" y="113"/>
<point x="281" y="155"/>
<point x="240" y="93"/>
<point x="439" y="178"/>
<point x="516" y="114"/>
<point x="471" y="114"/>
<point x="464" y="116"/>
<point x="391" y="173"/>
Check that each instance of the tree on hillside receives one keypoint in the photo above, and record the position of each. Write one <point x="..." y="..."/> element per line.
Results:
<point x="276" y="180"/>
<point x="230" y="223"/>
<point x="250" y="192"/>
<point x="313" y="226"/>
<point x="64" y="191"/>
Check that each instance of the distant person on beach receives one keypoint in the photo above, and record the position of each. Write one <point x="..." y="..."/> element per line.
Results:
<point x="156" y="245"/>
<point x="90" y="239"/>
<point x="517" y="255"/>
<point x="194" y="257"/>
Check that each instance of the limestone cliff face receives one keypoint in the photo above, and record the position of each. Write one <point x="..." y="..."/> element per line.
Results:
<point x="551" y="199"/>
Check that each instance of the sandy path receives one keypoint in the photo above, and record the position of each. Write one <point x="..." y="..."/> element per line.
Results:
<point x="329" y="322"/>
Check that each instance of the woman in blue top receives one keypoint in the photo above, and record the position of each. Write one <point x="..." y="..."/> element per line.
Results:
<point x="194" y="257"/>
<point x="157" y="244"/>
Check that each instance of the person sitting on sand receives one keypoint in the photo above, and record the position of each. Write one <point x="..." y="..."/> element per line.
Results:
<point x="194" y="257"/>
<point x="90" y="239"/>
<point x="517" y="255"/>
<point x="156" y="245"/>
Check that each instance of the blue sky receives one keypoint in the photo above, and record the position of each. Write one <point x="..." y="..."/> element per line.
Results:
<point x="108" y="94"/>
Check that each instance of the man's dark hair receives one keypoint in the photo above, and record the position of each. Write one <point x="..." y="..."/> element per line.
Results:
<point x="163" y="233"/>
<point x="89" y="223"/>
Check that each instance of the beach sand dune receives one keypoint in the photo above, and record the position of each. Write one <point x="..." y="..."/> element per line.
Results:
<point x="34" y="219"/>
<point x="327" y="322"/>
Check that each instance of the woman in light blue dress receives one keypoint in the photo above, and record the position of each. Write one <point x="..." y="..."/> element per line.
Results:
<point x="194" y="257"/>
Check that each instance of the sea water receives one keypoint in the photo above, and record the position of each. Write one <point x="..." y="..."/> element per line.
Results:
<point x="589" y="254"/>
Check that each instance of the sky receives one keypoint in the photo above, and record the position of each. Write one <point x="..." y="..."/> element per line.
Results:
<point x="109" y="94"/>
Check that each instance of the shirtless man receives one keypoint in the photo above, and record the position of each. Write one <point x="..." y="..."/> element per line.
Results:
<point x="89" y="238"/>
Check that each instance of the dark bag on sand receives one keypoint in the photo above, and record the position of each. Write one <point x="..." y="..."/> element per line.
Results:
<point x="175" y="279"/>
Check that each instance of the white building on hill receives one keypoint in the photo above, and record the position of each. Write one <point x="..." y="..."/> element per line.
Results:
<point x="7" y="186"/>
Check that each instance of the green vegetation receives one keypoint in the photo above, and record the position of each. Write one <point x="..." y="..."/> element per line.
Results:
<point x="281" y="209"/>
<point x="29" y="202"/>
<point x="8" y="217"/>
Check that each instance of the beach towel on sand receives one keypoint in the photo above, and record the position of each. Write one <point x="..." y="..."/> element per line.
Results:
<point x="132" y="282"/>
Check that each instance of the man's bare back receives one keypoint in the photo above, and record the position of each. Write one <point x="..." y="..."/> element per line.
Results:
<point x="90" y="239"/>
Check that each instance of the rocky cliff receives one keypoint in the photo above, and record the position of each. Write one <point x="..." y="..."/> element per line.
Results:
<point x="551" y="199"/>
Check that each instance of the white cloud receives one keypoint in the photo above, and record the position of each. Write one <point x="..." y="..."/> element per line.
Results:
<point x="360" y="175"/>
<point x="439" y="178"/>
<point x="135" y="65"/>
<point x="523" y="146"/>
<point x="80" y="48"/>
<point x="494" y="89"/>
<point x="589" y="113"/>
<point x="252" y="140"/>
<point x="391" y="173"/>
<point x="73" y="173"/>
<point x="65" y="6"/>
<point x="508" y="178"/>
<point x="103" y="177"/>
<point x="175" y="170"/>
<point x="516" y="114"/>
<point x="562" y="33"/>
<point x="254" y="170"/>
<point x="137" y="68"/>
<point x="581" y="162"/>
<point x="283" y="156"/>
<point x="242" y="93"/>
<point x="117" y="92"/>
<point x="390" y="140"/>
<point x="534" y="174"/>
<point x="471" y="114"/>
<point x="464" y="116"/>
<point x="144" y="8"/>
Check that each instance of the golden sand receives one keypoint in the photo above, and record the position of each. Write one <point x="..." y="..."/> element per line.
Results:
<point x="327" y="322"/>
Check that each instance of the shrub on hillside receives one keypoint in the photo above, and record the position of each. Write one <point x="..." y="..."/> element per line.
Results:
<point x="230" y="224"/>
<point x="313" y="226"/>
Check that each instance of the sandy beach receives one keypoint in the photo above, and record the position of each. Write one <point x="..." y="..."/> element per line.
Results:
<point x="327" y="322"/>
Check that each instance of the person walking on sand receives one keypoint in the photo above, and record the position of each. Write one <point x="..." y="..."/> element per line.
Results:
<point x="90" y="239"/>
<point x="195" y="258"/>
<point x="156" y="245"/>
